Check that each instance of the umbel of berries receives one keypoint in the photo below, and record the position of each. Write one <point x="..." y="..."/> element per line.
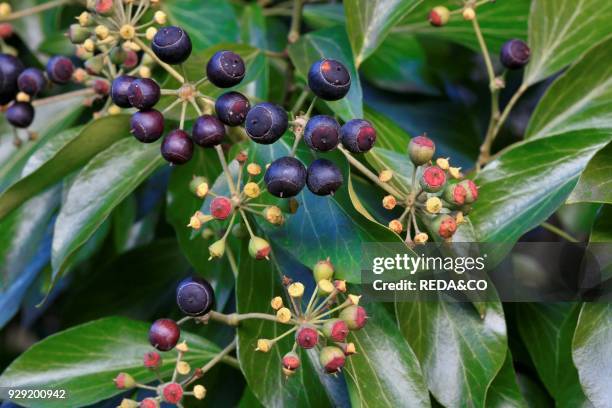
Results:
<point x="514" y="54"/>
<point x="195" y="296"/>
<point x="329" y="79"/>
<point x="172" y="45"/>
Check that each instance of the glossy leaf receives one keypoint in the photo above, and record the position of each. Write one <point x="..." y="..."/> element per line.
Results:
<point x="389" y="135"/>
<point x="323" y="15"/>
<point x="253" y="32"/>
<point x="460" y="352"/>
<point x="385" y="371"/>
<point x="102" y="185"/>
<point x="504" y="390"/>
<point x="595" y="184"/>
<point x="578" y="99"/>
<point x="85" y="359"/>
<point x="330" y="43"/>
<point x="94" y="138"/>
<point x="368" y="22"/>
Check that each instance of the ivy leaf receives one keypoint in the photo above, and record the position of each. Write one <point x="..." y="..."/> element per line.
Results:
<point x="504" y="390"/>
<point x="390" y="135"/>
<point x="323" y="15"/>
<point x="330" y="43"/>
<point x="578" y="99"/>
<point x="253" y="32"/>
<point x="595" y="185"/>
<point x="385" y="371"/>
<point x="562" y="30"/>
<point x="83" y="360"/>
<point x="460" y="352"/>
<point x="591" y="349"/>
<point x="529" y="181"/>
<point x="102" y="185"/>
<point x="94" y="138"/>
<point x="368" y="22"/>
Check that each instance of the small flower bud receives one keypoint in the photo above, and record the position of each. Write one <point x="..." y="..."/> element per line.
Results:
<point x="182" y="347"/>
<point x="264" y="345"/>
<point x="385" y="176"/>
<point x="325" y="287"/>
<point x="114" y="110"/>
<point x="199" y="392"/>
<point x="468" y="13"/>
<point x="105" y="7"/>
<point x="455" y="172"/>
<point x="459" y="219"/>
<point x="172" y="393"/>
<point x="323" y="269"/>
<point x="144" y="72"/>
<point x="183" y="368"/>
<point x="340" y="285"/>
<point x="78" y="34"/>
<point x="195" y="221"/>
<point x="332" y="359"/>
<point x="149" y="403"/>
<point x="254" y="169"/>
<point x="421" y="238"/>
<point x="307" y="337"/>
<point x="353" y="299"/>
<point x="101" y="86"/>
<point x="389" y="202"/>
<point x="396" y="226"/>
<point x="274" y="215"/>
<point x="152" y="360"/>
<point x="251" y="190"/>
<point x="355" y="317"/>
<point x="217" y="249"/>
<point x="296" y="290"/>
<point x="93" y="65"/>
<point x="5" y="9"/>
<point x="128" y="403"/>
<point x="433" y="179"/>
<point x="85" y="19"/>
<point x="444" y="225"/>
<point x="102" y="32"/>
<point x="127" y="32"/>
<point x="347" y="348"/>
<point x="150" y="33"/>
<point x="443" y="163"/>
<point x="276" y="302"/>
<point x="283" y="315"/>
<point x="160" y="17"/>
<point x="89" y="45"/>
<point x="131" y="59"/>
<point x="242" y="157"/>
<point x="433" y="205"/>
<point x="455" y="193"/>
<point x="195" y="182"/>
<point x="471" y="191"/>
<point x="259" y="248"/>
<point x="221" y="207"/>
<point x="22" y="97"/>
<point x="124" y="381"/>
<point x="421" y="149"/>
<point x="291" y="361"/>
<point x="439" y="16"/>
<point x="335" y="329"/>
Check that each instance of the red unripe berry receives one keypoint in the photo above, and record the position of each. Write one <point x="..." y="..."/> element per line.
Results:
<point x="164" y="334"/>
<point x="455" y="193"/>
<point x="433" y="179"/>
<point x="152" y="360"/>
<point x="149" y="403"/>
<point x="221" y="208"/>
<point x="172" y="393"/>
<point x="445" y="226"/>
<point x="101" y="87"/>
<point x="471" y="191"/>
<point x="336" y="329"/>
<point x="332" y="359"/>
<point x="131" y="59"/>
<point x="355" y="317"/>
<point x="291" y="361"/>
<point x="307" y="337"/>
<point x="421" y="150"/>
<point x="439" y="16"/>
<point x="104" y="7"/>
<point x="124" y="381"/>
<point x="6" y="30"/>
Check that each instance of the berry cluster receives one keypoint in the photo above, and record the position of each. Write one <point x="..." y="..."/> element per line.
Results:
<point x="324" y="323"/>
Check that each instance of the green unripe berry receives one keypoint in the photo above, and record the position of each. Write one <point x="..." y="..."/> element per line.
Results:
<point x="324" y="269"/>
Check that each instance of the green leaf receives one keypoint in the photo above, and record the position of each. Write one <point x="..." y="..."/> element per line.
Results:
<point x="207" y="23"/>
<point x="595" y="184"/>
<point x="499" y="22"/>
<point x="602" y="230"/>
<point x="258" y="282"/>
<point x="504" y="390"/>
<point x="562" y="30"/>
<point x="547" y="330"/>
<point x="460" y="352"/>
<point x="591" y="350"/>
<point x="368" y="22"/>
<point x="102" y="185"/>
<point x="578" y="99"/>
<point x="94" y="138"/>
<point x="529" y="181"/>
<point x="83" y="360"/>
<point x="385" y="371"/>
<point x="389" y="134"/>
<point x="330" y="43"/>
<point x="323" y="15"/>
<point x="253" y="26"/>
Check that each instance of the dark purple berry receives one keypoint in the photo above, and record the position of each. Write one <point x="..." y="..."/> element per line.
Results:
<point x="10" y="68"/>
<point x="172" y="45"/>
<point x="266" y="123"/>
<point x="195" y="296"/>
<point x="147" y="126"/>
<point x="120" y="90"/>
<point x="208" y="131"/>
<point x="285" y="177"/>
<point x="329" y="79"/>
<point x="322" y="133"/>
<point x="323" y="177"/>
<point x="177" y="147"/>
<point x="225" y="69"/>
<point x="164" y="334"/>
<point x="31" y="81"/>
<point x="20" y="114"/>
<point x="232" y="108"/>
<point x="358" y="135"/>
<point x="143" y="93"/>
<point x="515" y="54"/>
<point x="60" y="69"/>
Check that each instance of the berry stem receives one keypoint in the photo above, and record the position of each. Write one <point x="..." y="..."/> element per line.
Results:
<point x="33" y="10"/>
<point x="311" y="301"/>
<point x="296" y="21"/>
<point x="226" y="170"/>
<point x="231" y="259"/>
<point x="64" y="96"/>
<point x="200" y="81"/>
<point x="161" y="63"/>
<point x="216" y="359"/>
<point x="172" y="105"/>
<point x="343" y="305"/>
<point x="300" y="101"/>
<point x="246" y="222"/>
<point x="556" y="230"/>
<point x="234" y="319"/>
<point x="184" y="320"/>
<point x="183" y="114"/>
<point x="323" y="303"/>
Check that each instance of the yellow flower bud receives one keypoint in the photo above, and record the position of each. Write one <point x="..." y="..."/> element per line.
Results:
<point x="199" y="392"/>
<point x="150" y="33"/>
<point x="131" y="45"/>
<point x="254" y="169"/>
<point x="114" y="110"/>
<point x="455" y="172"/>
<point x="144" y="72"/>
<point x="201" y="190"/>
<point x="354" y="299"/>
<point x="283" y="315"/>
<point x="251" y="190"/>
<point x="182" y="347"/>
<point x="128" y="403"/>
<point x="274" y="215"/>
<point x="102" y="32"/>
<point x="350" y="348"/>
<point x="22" y="97"/>
<point x="276" y="302"/>
<point x="89" y="45"/>
<point x="183" y="368"/>
<point x="396" y="226"/>
<point x="469" y="13"/>
<point x="459" y="218"/>
<point x="325" y="287"/>
<point x="127" y="32"/>
<point x="263" y="345"/>
<point x="385" y="176"/>
<point x="5" y="9"/>
<point x="84" y="18"/>
<point x="421" y="238"/>
<point x="443" y="163"/>
<point x="389" y="202"/>
<point x="296" y="290"/>
<point x="433" y="205"/>
<point x="160" y="17"/>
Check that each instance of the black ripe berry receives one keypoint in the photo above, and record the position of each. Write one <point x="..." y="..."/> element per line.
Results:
<point x="31" y="81"/>
<point x="143" y="93"/>
<point x="323" y="177"/>
<point x="266" y="123"/>
<point x="177" y="147"/>
<point x="172" y="45"/>
<point x="60" y="69"/>
<point x="195" y="296"/>
<point x="515" y="54"/>
<point x="232" y="108"/>
<point x="164" y="334"/>
<point x="358" y="135"/>
<point x="208" y="131"/>
<point x="120" y="90"/>
<point x="322" y="133"/>
<point x="10" y="68"/>
<point x="285" y="177"/>
<point x="329" y="79"/>
<point x="147" y="126"/>
<point x="225" y="69"/>
<point x="20" y="114"/>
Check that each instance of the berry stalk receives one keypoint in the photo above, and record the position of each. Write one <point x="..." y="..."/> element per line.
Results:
<point x="216" y="359"/>
<point x="165" y="66"/>
<point x="34" y="10"/>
